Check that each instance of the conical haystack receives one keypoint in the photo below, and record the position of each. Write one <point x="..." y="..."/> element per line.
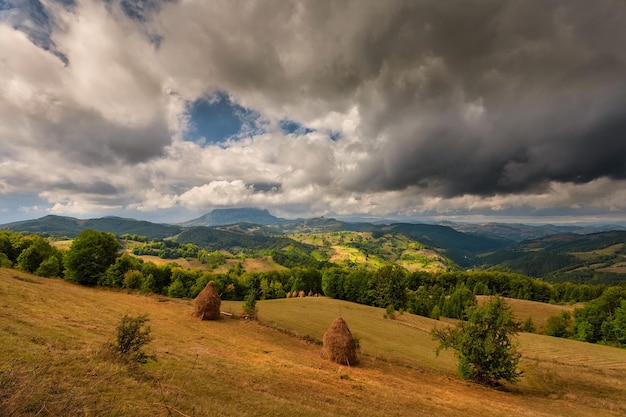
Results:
<point x="207" y="304"/>
<point x="339" y="345"/>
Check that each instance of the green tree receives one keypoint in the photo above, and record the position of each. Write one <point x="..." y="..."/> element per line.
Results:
<point x="177" y="289"/>
<point x="483" y="344"/>
<point x="388" y="286"/>
<point x="458" y="302"/>
<point x="51" y="267"/>
<point x="114" y="275"/>
<point x="559" y="325"/>
<point x="333" y="282"/>
<point x="148" y="284"/>
<point x="616" y="328"/>
<point x="133" y="279"/>
<point x="91" y="253"/>
<point x="590" y="319"/>
<point x="36" y="253"/>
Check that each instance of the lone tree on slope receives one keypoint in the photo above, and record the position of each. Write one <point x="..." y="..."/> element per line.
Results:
<point x="483" y="344"/>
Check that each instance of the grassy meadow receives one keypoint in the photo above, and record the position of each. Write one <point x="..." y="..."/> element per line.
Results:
<point x="53" y="363"/>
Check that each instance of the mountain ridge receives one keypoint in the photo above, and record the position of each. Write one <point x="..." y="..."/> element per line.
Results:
<point x="224" y="217"/>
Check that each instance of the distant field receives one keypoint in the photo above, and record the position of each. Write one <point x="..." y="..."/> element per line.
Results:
<point x="62" y="244"/>
<point x="609" y="250"/>
<point x="51" y="362"/>
<point x="263" y="264"/>
<point x="538" y="312"/>
<point x="384" y="250"/>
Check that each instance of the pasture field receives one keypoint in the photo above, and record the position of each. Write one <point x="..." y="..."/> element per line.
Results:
<point x="53" y="362"/>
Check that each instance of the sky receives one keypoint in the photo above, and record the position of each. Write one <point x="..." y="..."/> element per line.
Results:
<point x="461" y="110"/>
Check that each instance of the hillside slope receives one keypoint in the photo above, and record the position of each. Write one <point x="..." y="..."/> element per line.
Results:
<point x="594" y="258"/>
<point x="51" y="362"/>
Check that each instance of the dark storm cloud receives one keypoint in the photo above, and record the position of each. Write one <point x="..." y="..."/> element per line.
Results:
<point x="88" y="139"/>
<point x="499" y="97"/>
<point x="101" y="188"/>
<point x="457" y="97"/>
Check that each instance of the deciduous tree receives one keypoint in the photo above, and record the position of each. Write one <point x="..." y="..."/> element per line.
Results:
<point x="483" y="344"/>
<point x="91" y="253"/>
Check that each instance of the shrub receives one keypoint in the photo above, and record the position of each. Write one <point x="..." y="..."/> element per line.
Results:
<point x="132" y="335"/>
<point x="390" y="312"/>
<point x="249" y="305"/>
<point x="529" y="326"/>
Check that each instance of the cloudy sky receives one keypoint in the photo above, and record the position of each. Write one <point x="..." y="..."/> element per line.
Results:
<point x="480" y="110"/>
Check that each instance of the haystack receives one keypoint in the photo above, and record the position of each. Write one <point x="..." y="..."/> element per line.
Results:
<point x="301" y="294"/>
<point x="288" y="294"/>
<point x="207" y="304"/>
<point x="339" y="345"/>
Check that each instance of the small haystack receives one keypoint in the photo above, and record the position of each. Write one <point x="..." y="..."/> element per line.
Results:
<point x="294" y="294"/>
<point x="339" y="345"/>
<point x="288" y="294"/>
<point x="301" y="294"/>
<point x="207" y="304"/>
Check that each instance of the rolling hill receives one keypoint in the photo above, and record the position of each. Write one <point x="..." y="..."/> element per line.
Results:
<point x="520" y="232"/>
<point x="595" y="258"/>
<point x="555" y="256"/>
<point x="60" y="226"/>
<point x="53" y="362"/>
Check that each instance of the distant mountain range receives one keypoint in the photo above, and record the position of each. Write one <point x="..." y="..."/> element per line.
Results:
<point x="575" y="253"/>
<point x="520" y="232"/>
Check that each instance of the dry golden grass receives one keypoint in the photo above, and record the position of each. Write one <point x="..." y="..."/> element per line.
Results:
<point x="52" y="362"/>
<point x="62" y="244"/>
<point x="538" y="312"/>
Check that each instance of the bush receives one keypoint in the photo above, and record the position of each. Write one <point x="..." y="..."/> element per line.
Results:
<point x="249" y="305"/>
<point x="529" y="326"/>
<point x="390" y="312"/>
<point x="483" y="343"/>
<point x="132" y="335"/>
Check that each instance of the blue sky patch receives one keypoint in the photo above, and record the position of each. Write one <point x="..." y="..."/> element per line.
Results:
<point x="291" y="127"/>
<point x="218" y="118"/>
<point x="32" y="18"/>
<point x="334" y="136"/>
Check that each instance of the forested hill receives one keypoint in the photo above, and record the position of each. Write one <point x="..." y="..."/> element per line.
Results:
<point x="597" y="257"/>
<point x="460" y="247"/>
<point x="521" y="232"/>
<point x="60" y="226"/>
